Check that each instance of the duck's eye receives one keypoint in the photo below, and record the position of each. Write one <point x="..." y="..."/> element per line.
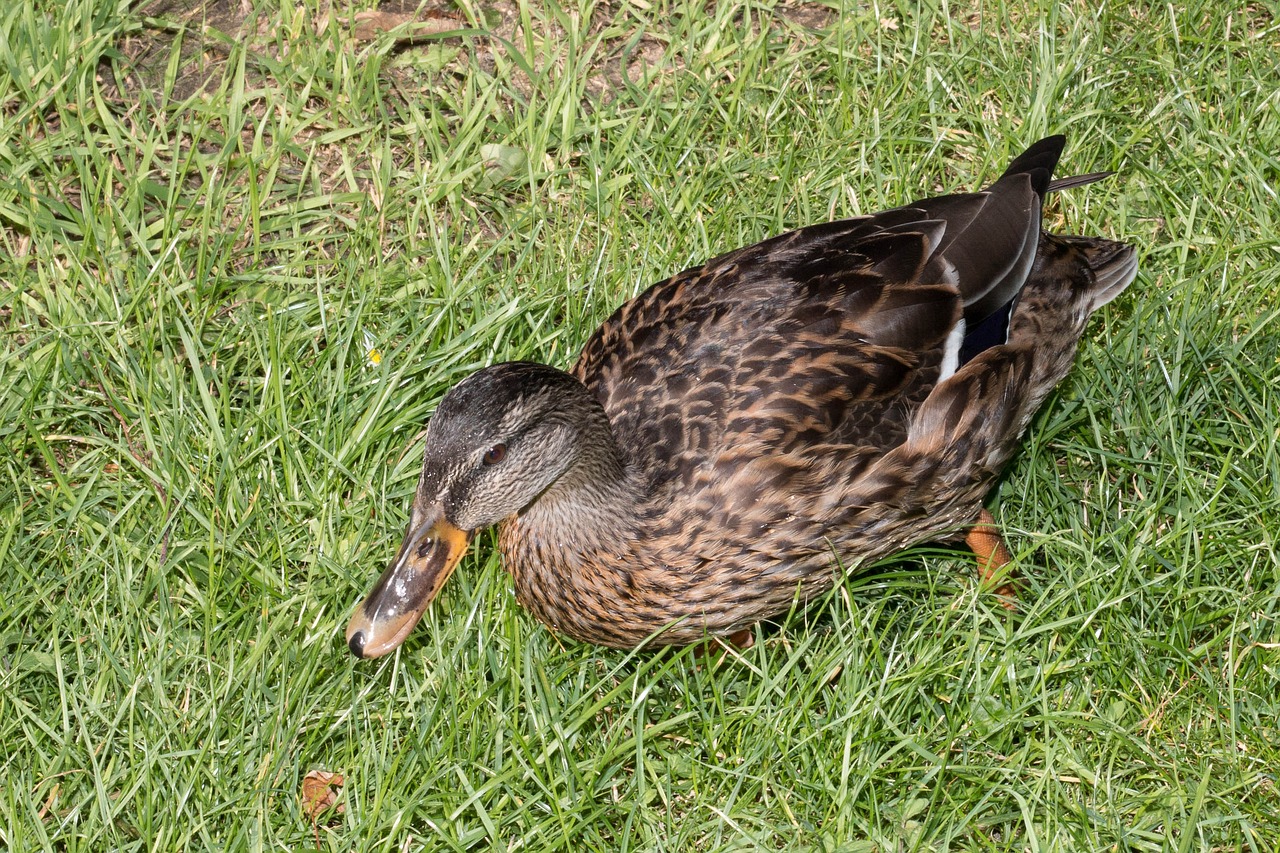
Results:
<point x="495" y="454"/>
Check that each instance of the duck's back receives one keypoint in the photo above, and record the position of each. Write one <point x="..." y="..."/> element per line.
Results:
<point x="829" y="335"/>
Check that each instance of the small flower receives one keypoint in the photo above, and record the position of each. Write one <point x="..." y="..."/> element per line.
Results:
<point x="371" y="352"/>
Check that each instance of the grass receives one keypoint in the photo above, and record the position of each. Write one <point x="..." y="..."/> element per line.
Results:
<point x="242" y="255"/>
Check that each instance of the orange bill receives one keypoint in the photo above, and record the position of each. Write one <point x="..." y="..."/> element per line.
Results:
<point x="429" y="553"/>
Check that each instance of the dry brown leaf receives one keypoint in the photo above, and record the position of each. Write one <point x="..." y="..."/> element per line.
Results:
<point x="320" y="791"/>
<point x="369" y="24"/>
<point x="50" y="802"/>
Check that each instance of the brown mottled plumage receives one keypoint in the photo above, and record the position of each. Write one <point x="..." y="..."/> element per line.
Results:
<point x="734" y="434"/>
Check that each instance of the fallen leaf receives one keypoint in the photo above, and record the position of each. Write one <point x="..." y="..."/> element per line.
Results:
<point x="369" y="25"/>
<point x="320" y="791"/>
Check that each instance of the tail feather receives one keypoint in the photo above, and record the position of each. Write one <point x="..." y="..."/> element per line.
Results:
<point x="1114" y="266"/>
<point x="1083" y="272"/>
<point x="1038" y="162"/>
<point x="1076" y="181"/>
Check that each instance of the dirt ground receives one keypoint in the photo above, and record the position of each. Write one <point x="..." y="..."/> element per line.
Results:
<point x="208" y="31"/>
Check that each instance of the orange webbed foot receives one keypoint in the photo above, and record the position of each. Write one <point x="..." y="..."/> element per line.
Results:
<point x="993" y="555"/>
<point x="737" y="641"/>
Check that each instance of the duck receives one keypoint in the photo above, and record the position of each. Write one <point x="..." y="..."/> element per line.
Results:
<point x="736" y="438"/>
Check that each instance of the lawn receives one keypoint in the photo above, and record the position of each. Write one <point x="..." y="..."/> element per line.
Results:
<point x="246" y="247"/>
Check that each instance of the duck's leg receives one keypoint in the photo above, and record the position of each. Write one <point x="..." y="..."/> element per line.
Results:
<point x="985" y="542"/>
<point x="739" y="640"/>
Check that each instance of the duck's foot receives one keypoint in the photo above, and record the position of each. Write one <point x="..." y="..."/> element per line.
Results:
<point x="740" y="640"/>
<point x="985" y="542"/>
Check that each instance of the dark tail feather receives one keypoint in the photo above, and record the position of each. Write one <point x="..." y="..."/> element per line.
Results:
<point x="1077" y="181"/>
<point x="1038" y="162"/>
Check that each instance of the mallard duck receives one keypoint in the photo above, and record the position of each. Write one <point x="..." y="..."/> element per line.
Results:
<point x="735" y="436"/>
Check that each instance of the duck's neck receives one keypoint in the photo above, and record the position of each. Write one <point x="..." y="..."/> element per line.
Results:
<point x="571" y="553"/>
<point x="586" y="518"/>
<point x="596" y="498"/>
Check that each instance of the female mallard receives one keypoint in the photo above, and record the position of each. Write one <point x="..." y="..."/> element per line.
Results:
<point x="735" y="434"/>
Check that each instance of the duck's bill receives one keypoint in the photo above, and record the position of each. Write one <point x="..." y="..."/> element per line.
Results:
<point x="427" y="556"/>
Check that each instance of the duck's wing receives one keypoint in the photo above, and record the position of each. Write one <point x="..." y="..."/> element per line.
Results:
<point x="831" y="334"/>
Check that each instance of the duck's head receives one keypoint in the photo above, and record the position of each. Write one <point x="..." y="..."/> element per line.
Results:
<point x="498" y="440"/>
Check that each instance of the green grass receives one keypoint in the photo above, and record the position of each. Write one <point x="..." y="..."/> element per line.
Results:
<point x="202" y="468"/>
